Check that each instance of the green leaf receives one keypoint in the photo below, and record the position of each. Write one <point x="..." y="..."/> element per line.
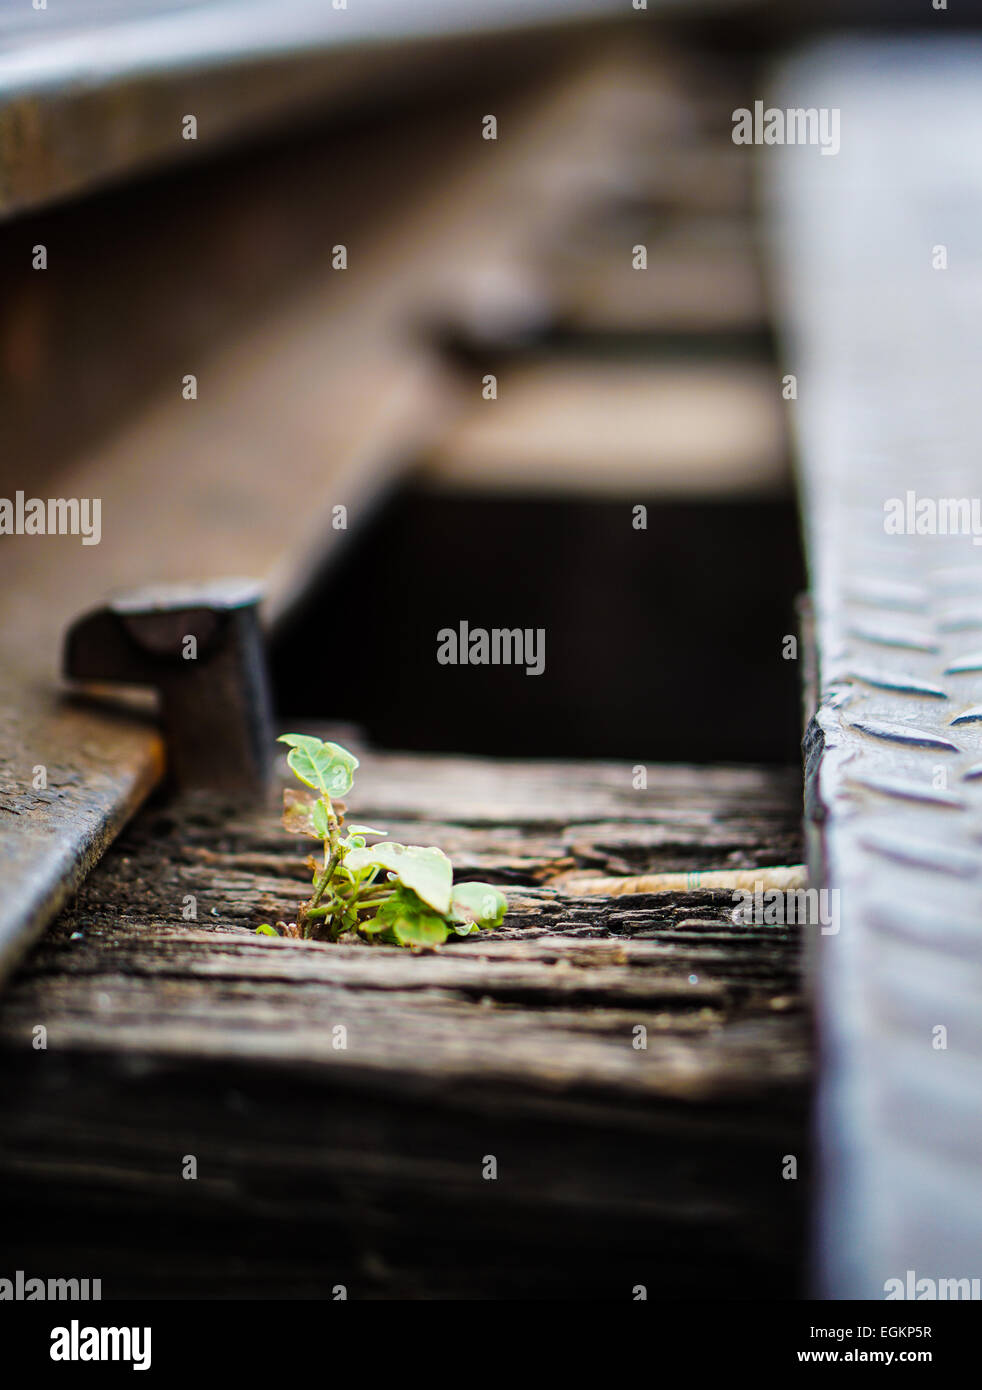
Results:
<point x="477" y="905"/>
<point x="365" y="830"/>
<point x="428" y="872"/>
<point x="327" y="767"/>
<point x="365" y="877"/>
<point x="374" y="925"/>
<point x="266" y="930"/>
<point x="342" y="875"/>
<point x="319" y="818"/>
<point x="429" y="930"/>
<point x="406" y="920"/>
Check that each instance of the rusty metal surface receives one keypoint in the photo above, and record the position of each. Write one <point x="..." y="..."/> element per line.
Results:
<point x="201" y="647"/>
<point x="886" y="349"/>
<point x="91" y="92"/>
<point x="70" y="777"/>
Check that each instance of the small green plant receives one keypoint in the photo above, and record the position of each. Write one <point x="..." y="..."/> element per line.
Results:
<point x="403" y="895"/>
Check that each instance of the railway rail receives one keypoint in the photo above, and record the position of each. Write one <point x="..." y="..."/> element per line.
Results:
<point x="880" y="328"/>
<point x="171" y="1035"/>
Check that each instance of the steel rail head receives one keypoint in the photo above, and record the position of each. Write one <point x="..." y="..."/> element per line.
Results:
<point x="882" y="335"/>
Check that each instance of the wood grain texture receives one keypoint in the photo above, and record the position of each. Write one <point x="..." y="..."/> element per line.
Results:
<point x="363" y="1166"/>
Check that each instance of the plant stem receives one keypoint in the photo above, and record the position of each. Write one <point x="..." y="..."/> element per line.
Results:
<point x="373" y="899"/>
<point x="324" y="879"/>
<point x="375" y="894"/>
